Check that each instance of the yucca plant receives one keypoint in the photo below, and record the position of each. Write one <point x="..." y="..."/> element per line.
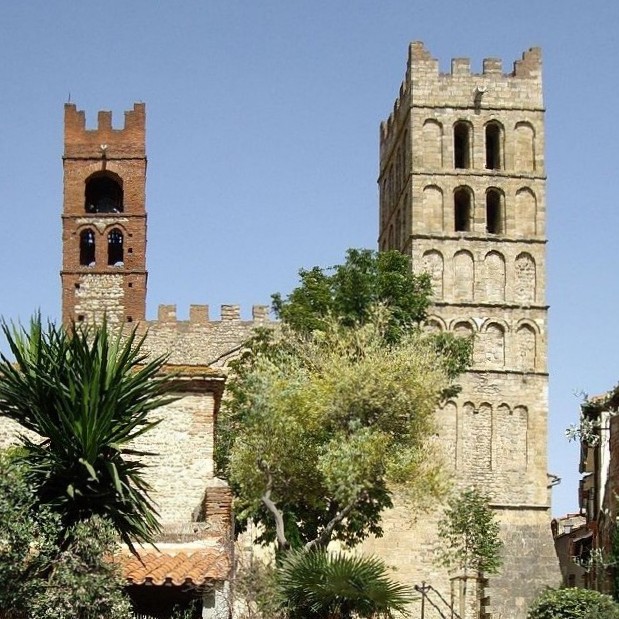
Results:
<point x="87" y="394"/>
<point x="317" y="584"/>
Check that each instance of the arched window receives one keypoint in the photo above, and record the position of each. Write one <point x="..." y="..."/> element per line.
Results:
<point x="495" y="221"/>
<point x="87" y="248"/>
<point x="463" y="210"/>
<point x="462" y="145"/>
<point x="104" y="194"/>
<point x="115" y="255"/>
<point x="494" y="154"/>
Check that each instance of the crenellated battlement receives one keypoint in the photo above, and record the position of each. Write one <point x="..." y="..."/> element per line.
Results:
<point x="420" y="60"/>
<point x="199" y="314"/>
<point x="202" y="340"/>
<point x="105" y="142"/>
<point x="425" y="86"/>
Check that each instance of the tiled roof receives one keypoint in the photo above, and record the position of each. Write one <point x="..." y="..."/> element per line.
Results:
<point x="193" y="568"/>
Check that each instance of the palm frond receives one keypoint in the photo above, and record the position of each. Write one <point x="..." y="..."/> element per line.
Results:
<point x="87" y="395"/>
<point x="320" y="584"/>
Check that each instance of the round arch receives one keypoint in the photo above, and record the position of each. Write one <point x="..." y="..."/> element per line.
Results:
<point x="103" y="193"/>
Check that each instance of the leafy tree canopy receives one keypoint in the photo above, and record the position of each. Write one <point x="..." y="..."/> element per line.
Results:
<point x="330" y="413"/>
<point x="328" y="424"/>
<point x="470" y="532"/>
<point x="40" y="579"/>
<point x="351" y="292"/>
<point x="85" y="395"/>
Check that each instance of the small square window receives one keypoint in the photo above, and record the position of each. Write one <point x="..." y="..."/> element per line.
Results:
<point x="80" y="318"/>
<point x="129" y="319"/>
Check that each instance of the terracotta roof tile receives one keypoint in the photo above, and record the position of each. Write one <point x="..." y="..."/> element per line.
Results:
<point x="194" y="568"/>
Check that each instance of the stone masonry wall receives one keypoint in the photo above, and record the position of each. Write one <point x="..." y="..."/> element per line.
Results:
<point x="200" y="340"/>
<point x="182" y="465"/>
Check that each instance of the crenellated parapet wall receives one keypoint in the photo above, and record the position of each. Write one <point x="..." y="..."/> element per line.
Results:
<point x="202" y="340"/>
<point x="200" y="314"/>
<point x="425" y="86"/>
<point x="130" y="141"/>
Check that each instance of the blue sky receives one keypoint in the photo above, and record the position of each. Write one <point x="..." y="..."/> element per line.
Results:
<point x="263" y="140"/>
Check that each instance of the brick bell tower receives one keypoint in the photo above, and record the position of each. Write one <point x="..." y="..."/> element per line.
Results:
<point x="104" y="219"/>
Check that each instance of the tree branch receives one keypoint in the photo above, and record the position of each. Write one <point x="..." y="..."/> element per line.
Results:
<point x="325" y="536"/>
<point x="272" y="507"/>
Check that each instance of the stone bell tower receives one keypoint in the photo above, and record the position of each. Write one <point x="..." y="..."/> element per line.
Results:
<point x="104" y="219"/>
<point x="462" y="191"/>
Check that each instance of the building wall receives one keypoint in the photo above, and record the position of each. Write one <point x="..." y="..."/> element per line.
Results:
<point x="201" y="340"/>
<point x="179" y="464"/>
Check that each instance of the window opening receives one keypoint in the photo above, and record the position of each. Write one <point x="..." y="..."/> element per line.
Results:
<point x="493" y="146"/>
<point x="462" y="145"/>
<point x="462" y="210"/>
<point x="494" y="212"/>
<point x="115" y="248"/>
<point x="87" y="248"/>
<point x="80" y="318"/>
<point x="103" y="195"/>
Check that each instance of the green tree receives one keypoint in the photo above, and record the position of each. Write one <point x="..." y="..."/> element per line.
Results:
<point x="39" y="579"/>
<point x="82" y="582"/>
<point x="573" y="603"/>
<point x="321" y="585"/>
<point x="297" y="436"/>
<point x="27" y="547"/>
<point x="86" y="395"/>
<point x="351" y="292"/>
<point x="470" y="533"/>
<point x="328" y="425"/>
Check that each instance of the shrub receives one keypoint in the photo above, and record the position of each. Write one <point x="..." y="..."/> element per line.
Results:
<point x="573" y="603"/>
